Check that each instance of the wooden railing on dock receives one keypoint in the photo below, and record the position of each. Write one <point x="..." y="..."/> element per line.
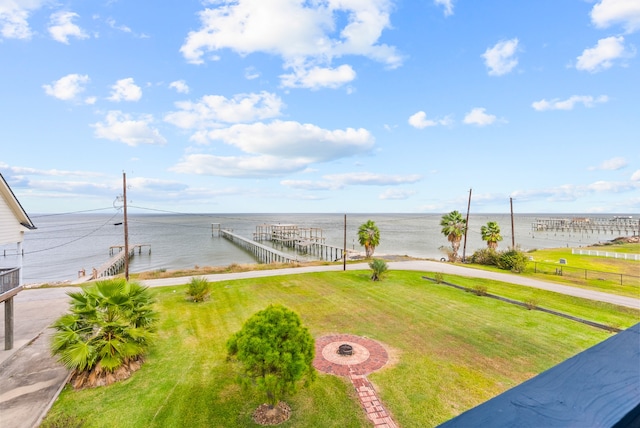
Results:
<point x="619" y="225"/>
<point x="261" y="252"/>
<point x="114" y="265"/>
<point x="266" y="254"/>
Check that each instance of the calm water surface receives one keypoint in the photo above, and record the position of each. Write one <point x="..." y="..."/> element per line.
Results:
<point x="66" y="243"/>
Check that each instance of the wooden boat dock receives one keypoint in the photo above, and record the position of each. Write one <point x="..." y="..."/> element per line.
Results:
<point x="621" y="225"/>
<point x="262" y="253"/>
<point x="114" y="265"/>
<point x="304" y="241"/>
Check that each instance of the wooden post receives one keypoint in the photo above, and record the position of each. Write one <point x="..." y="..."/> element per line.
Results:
<point x="344" y="251"/>
<point x="513" y="234"/>
<point x="126" y="228"/>
<point x="466" y="227"/>
<point x="8" y="324"/>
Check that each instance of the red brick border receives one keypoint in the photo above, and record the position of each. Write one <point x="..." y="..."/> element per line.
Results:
<point x="367" y="395"/>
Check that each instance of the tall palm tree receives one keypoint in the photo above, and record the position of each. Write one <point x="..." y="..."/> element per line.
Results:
<point x="491" y="234"/>
<point x="108" y="330"/>
<point x="369" y="237"/>
<point x="453" y="227"/>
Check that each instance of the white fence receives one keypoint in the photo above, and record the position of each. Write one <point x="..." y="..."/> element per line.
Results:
<point x="614" y="255"/>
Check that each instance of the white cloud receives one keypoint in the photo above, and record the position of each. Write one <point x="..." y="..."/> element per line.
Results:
<point x="125" y="90"/>
<point x="312" y="185"/>
<point x="396" y="194"/>
<point x="119" y="126"/>
<point x="568" y="104"/>
<point x="601" y="56"/>
<point x="276" y="149"/>
<point x="213" y="110"/>
<point x="247" y="26"/>
<point x="448" y="6"/>
<point x="419" y="120"/>
<point x="478" y="116"/>
<point x="612" y="164"/>
<point x="19" y="170"/>
<point x="318" y="77"/>
<point x="14" y="17"/>
<point x="500" y="59"/>
<point x="635" y="176"/>
<point x="61" y="27"/>
<point x="180" y="86"/>
<point x="238" y="166"/>
<point x="113" y="24"/>
<point x="295" y="140"/>
<point x="251" y="73"/>
<point x="609" y="12"/>
<point x="67" y="87"/>
<point x="572" y="192"/>
<point x="339" y="181"/>
<point x="372" y="179"/>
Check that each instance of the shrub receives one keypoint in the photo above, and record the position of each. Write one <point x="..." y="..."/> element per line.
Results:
<point x="438" y="277"/>
<point x="480" y="290"/>
<point x="486" y="256"/>
<point x="378" y="268"/>
<point x="531" y="303"/>
<point x="198" y="289"/>
<point x="513" y="260"/>
<point x="275" y="350"/>
<point x="109" y="328"/>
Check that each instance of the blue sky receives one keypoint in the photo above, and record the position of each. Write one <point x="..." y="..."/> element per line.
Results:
<point x="322" y="105"/>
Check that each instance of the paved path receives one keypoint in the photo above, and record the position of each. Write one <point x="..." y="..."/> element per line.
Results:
<point x="423" y="266"/>
<point x="367" y="357"/>
<point x="30" y="378"/>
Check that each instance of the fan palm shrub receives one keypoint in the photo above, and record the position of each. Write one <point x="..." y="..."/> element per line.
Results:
<point x="453" y="227"/>
<point x="369" y="237"/>
<point x="378" y="268"/>
<point x="491" y="234"/>
<point x="106" y="333"/>
<point x="198" y="289"/>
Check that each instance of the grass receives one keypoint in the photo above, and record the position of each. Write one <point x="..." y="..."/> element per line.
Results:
<point x="602" y="273"/>
<point x="451" y="350"/>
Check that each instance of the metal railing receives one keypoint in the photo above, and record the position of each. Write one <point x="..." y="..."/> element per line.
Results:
<point x="9" y="279"/>
<point x="585" y="274"/>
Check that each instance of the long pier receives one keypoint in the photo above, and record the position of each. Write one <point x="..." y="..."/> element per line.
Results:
<point x="266" y="254"/>
<point x="620" y="225"/>
<point x="261" y="252"/>
<point x="114" y="265"/>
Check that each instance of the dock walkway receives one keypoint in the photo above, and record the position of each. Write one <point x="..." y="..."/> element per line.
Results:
<point x="114" y="265"/>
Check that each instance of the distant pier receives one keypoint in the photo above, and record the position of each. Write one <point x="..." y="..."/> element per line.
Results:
<point x="627" y="226"/>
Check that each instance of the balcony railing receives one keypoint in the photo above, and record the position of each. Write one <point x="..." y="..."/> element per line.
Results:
<point x="9" y="280"/>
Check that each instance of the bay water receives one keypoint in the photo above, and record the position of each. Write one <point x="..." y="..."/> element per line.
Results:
<point x="64" y="244"/>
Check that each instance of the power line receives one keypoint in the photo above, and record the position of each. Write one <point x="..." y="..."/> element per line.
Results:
<point x="76" y="239"/>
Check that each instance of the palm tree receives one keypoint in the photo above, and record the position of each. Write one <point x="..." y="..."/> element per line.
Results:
<point x="453" y="227"/>
<point x="369" y="237"/>
<point x="491" y="234"/>
<point x="106" y="333"/>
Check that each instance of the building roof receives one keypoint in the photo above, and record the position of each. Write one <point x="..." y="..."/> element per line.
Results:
<point x="599" y="387"/>
<point x="14" y="204"/>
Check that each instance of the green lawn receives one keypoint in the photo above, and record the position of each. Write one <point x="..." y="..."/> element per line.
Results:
<point x="450" y="350"/>
<point x="605" y="274"/>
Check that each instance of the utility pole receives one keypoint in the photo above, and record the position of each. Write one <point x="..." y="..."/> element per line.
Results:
<point x="513" y="234"/>
<point x="126" y="228"/>
<point x="344" y="251"/>
<point x="466" y="227"/>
